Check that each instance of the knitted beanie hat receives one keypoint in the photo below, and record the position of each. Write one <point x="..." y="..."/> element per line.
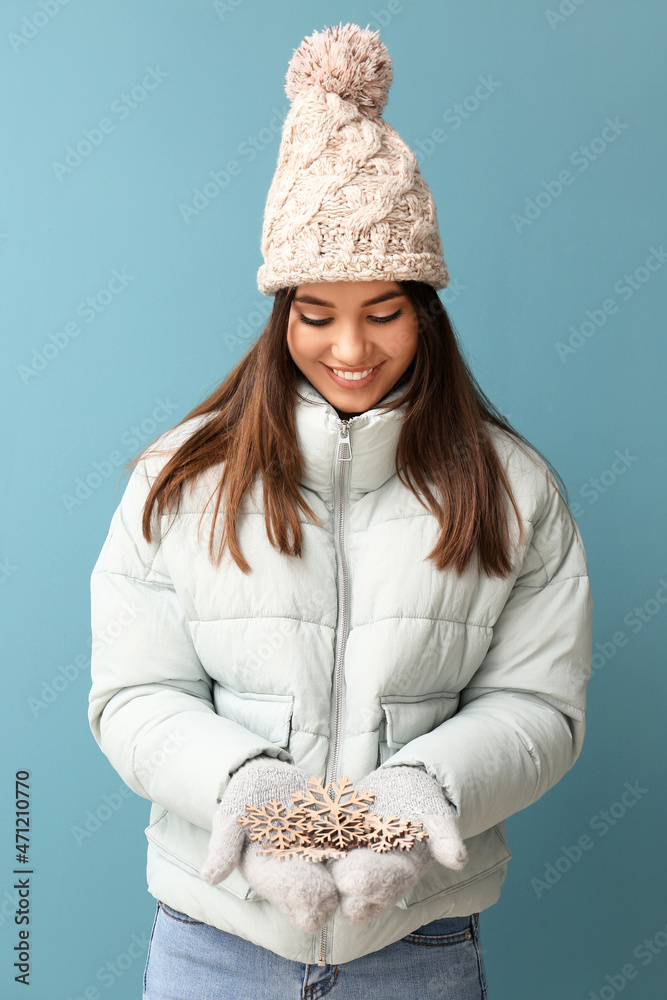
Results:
<point x="347" y="201"/>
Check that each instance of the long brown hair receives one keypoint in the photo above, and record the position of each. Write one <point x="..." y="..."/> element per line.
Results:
<point x="444" y="443"/>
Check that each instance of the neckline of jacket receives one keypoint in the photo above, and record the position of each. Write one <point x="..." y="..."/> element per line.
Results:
<point x="373" y="439"/>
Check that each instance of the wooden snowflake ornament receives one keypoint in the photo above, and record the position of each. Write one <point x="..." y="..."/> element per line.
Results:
<point x="272" y="822"/>
<point x="336" y="820"/>
<point x="327" y="823"/>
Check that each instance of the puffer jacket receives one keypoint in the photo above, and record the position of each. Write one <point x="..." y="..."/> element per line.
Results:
<point x="358" y="654"/>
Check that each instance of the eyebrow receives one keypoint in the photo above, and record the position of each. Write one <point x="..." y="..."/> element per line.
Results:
<point x="312" y="301"/>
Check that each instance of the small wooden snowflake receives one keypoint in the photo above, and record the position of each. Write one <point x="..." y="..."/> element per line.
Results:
<point x="395" y="834"/>
<point x="337" y="820"/>
<point x="326" y="823"/>
<point x="272" y="822"/>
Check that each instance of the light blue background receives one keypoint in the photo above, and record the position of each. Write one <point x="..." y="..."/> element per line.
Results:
<point x="171" y="335"/>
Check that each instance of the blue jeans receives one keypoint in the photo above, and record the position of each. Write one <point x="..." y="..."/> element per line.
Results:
<point x="190" y="960"/>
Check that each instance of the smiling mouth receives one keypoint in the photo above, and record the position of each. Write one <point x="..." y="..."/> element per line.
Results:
<point x="354" y="374"/>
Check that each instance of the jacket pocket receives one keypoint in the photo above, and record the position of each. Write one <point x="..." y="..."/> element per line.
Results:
<point x="186" y="845"/>
<point x="408" y="716"/>
<point x="487" y="852"/>
<point x="266" y="715"/>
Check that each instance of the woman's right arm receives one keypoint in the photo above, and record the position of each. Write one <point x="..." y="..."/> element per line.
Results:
<point x="150" y="705"/>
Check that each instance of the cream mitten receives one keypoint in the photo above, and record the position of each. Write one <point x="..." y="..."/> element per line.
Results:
<point x="371" y="882"/>
<point x="303" y="890"/>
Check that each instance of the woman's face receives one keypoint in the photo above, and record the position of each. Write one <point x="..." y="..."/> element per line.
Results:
<point x="352" y="326"/>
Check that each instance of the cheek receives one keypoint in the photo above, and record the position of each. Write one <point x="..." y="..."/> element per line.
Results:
<point x="401" y="342"/>
<point x="299" y="342"/>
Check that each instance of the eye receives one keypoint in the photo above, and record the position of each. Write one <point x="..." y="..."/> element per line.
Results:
<point x="313" y="322"/>
<point x="385" y="319"/>
<point x="325" y="322"/>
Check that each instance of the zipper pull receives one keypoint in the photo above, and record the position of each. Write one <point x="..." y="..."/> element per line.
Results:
<point x="344" y="446"/>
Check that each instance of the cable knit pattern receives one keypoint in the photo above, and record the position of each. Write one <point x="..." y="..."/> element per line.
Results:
<point x="347" y="201"/>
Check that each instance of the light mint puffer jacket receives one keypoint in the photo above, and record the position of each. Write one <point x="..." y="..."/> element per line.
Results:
<point x="360" y="653"/>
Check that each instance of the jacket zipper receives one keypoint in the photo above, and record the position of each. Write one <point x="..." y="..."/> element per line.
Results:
<point x="343" y="455"/>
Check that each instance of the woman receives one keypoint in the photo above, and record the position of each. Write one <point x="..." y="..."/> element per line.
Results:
<point x="345" y="563"/>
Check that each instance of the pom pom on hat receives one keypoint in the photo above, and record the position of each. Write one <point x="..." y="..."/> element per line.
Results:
<point x="346" y="60"/>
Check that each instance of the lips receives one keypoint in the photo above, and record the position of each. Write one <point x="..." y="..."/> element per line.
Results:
<point x="353" y="371"/>
<point x="354" y="383"/>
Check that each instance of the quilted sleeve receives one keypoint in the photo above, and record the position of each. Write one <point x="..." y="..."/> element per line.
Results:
<point x="150" y="703"/>
<point x="521" y="719"/>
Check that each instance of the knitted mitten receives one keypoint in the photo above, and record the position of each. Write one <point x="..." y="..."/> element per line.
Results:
<point x="303" y="890"/>
<point x="370" y="882"/>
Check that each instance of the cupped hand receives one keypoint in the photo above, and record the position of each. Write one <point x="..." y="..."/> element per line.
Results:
<point x="370" y="882"/>
<point x="304" y="891"/>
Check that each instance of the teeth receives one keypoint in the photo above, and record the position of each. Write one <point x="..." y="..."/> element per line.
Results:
<point x="352" y="376"/>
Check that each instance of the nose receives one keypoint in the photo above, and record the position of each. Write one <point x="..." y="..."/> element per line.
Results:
<point x="350" y="347"/>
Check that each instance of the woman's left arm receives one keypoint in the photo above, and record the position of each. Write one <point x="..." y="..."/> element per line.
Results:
<point x="521" y="719"/>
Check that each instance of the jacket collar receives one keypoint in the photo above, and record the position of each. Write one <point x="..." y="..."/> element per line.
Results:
<point x="373" y="437"/>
